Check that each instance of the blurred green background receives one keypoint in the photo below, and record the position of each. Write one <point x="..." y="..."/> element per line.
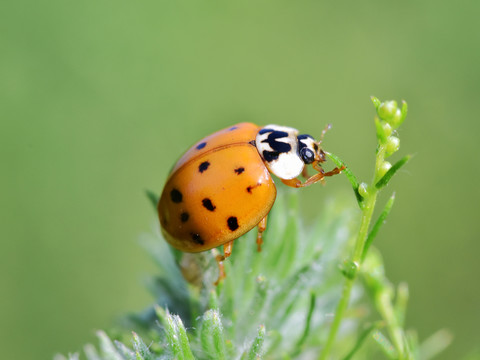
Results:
<point x="99" y="98"/>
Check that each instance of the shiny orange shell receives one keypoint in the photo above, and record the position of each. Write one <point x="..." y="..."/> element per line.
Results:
<point x="218" y="190"/>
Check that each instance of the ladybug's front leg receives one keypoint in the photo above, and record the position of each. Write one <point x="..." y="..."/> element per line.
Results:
<point x="335" y="171"/>
<point x="262" y="226"/>
<point x="227" y="251"/>
<point x="296" y="183"/>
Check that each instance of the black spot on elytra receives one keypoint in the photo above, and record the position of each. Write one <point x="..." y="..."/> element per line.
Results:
<point x="197" y="238"/>
<point x="253" y="143"/>
<point x="207" y="204"/>
<point x="239" y="170"/>
<point x="232" y="128"/>
<point x="176" y="196"/>
<point x="203" y="166"/>
<point x="251" y="187"/>
<point x="232" y="223"/>
<point x="201" y="145"/>
<point x="184" y="216"/>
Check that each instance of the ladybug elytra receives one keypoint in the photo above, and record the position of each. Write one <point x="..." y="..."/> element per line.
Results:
<point x="222" y="186"/>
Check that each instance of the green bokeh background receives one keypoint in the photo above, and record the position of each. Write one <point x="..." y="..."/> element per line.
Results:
<point x="98" y="99"/>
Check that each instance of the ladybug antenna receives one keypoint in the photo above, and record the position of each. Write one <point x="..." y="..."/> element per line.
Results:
<point x="324" y="131"/>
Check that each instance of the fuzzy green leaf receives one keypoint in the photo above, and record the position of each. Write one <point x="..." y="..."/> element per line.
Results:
<point x="401" y="302"/>
<point x="388" y="176"/>
<point x="108" y="349"/>
<point x="256" y="349"/>
<point x="212" y="337"/>
<point x="183" y="339"/>
<point x="91" y="353"/>
<point x="308" y="321"/>
<point x="124" y="350"/>
<point x="175" y="334"/>
<point x="141" y="350"/>
<point x="384" y="344"/>
<point x="213" y="300"/>
<point x="435" y="344"/>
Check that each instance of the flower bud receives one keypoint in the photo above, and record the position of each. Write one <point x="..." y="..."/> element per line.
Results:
<point x="396" y="118"/>
<point x="393" y="144"/>
<point x="349" y="269"/>
<point x="387" y="110"/>
<point x="363" y="190"/>
<point x="387" y="129"/>
<point x="384" y="167"/>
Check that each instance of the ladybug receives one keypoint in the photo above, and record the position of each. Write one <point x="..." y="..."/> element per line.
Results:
<point x="222" y="186"/>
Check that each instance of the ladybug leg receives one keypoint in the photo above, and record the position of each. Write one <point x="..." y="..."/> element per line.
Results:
<point x="315" y="178"/>
<point x="305" y="172"/>
<point x="297" y="183"/>
<point x="227" y="251"/>
<point x="262" y="226"/>
<point x="335" y="171"/>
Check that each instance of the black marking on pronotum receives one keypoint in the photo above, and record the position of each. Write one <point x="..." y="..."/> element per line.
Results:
<point x="239" y="170"/>
<point x="232" y="128"/>
<point x="197" y="238"/>
<point x="232" y="223"/>
<point x="184" y="216"/>
<point x="201" y="145"/>
<point x="176" y="196"/>
<point x="301" y="144"/>
<point x="207" y="204"/>
<point x="269" y="156"/>
<point x="203" y="166"/>
<point x="278" y="147"/>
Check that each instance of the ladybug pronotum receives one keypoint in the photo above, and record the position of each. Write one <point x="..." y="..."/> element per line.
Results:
<point x="222" y="186"/>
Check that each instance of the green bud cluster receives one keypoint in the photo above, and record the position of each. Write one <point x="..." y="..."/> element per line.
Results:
<point x="389" y="118"/>
<point x="390" y="113"/>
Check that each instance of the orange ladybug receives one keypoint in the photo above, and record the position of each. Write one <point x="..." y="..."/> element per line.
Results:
<point x="222" y="187"/>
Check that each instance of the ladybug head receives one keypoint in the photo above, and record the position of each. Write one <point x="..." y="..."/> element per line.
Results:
<point x="285" y="153"/>
<point x="309" y="149"/>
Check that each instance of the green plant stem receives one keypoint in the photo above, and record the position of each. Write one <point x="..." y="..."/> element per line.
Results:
<point x="367" y="212"/>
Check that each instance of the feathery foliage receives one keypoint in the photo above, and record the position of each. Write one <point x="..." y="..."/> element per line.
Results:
<point x="297" y="299"/>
